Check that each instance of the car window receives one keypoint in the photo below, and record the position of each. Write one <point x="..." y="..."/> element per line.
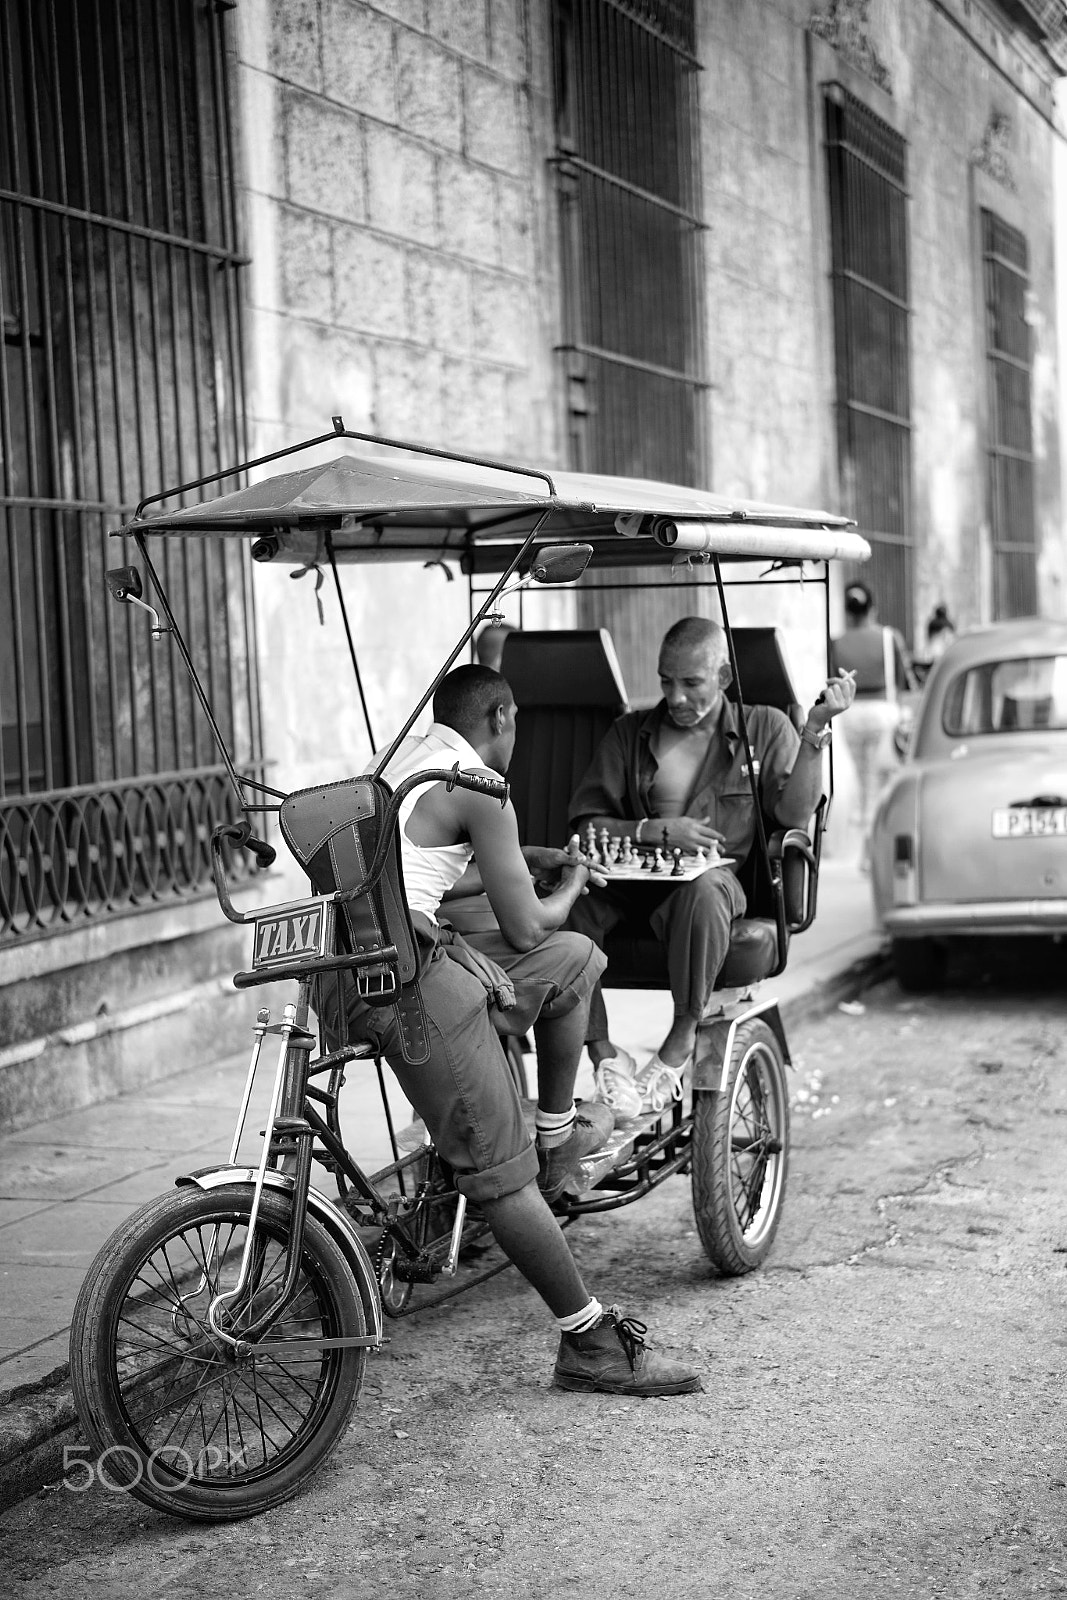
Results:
<point x="1007" y="696"/>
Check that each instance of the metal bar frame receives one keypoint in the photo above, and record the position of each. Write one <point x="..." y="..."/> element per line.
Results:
<point x="109" y="305"/>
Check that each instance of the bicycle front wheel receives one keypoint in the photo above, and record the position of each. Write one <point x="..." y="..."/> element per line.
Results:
<point x="176" y="1417"/>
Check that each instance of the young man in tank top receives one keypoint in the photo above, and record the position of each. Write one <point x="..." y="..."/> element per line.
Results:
<point x="464" y="1092"/>
<point x="680" y="770"/>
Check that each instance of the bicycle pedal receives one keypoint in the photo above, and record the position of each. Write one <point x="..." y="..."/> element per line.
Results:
<point x="418" y="1271"/>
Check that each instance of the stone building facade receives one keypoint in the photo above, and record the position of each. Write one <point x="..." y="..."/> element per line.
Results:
<point x="799" y="250"/>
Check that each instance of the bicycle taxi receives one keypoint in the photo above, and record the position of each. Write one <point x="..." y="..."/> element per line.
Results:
<point x="220" y="1340"/>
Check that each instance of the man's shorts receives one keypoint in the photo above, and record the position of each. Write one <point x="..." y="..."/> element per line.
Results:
<point x="464" y="1092"/>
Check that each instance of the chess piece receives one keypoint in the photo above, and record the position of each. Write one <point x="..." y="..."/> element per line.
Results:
<point x="627" y="851"/>
<point x="613" y="852"/>
<point x="676" y="870"/>
<point x="666" y="843"/>
<point x="702" y="859"/>
<point x="590" y="844"/>
<point x="602" y="845"/>
<point x="658" y="863"/>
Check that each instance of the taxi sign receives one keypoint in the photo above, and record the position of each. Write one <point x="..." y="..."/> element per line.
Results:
<point x="292" y="932"/>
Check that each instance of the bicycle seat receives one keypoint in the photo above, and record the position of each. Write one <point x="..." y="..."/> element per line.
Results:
<point x="333" y="832"/>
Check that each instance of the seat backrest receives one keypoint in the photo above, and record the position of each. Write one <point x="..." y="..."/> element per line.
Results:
<point x="764" y="674"/>
<point x="569" y="690"/>
<point x="333" y="832"/>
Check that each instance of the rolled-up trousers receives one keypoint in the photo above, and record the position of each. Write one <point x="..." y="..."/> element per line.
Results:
<point x="691" y="919"/>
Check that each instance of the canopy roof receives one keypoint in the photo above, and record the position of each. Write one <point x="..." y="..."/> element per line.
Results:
<point x="380" y="507"/>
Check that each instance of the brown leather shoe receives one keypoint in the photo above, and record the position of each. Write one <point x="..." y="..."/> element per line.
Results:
<point x="593" y="1124"/>
<point x="611" y="1357"/>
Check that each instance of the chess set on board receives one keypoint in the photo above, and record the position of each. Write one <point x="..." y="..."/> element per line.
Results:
<point x="621" y="860"/>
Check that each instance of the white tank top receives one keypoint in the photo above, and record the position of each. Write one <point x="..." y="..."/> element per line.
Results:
<point x="430" y="871"/>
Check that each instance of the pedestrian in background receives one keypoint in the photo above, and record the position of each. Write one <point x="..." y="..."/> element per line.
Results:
<point x="871" y="727"/>
<point x="940" y="632"/>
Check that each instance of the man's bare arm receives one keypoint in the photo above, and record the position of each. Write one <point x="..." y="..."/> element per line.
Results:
<point x="524" y="919"/>
<point x="683" y="833"/>
<point x="803" y="787"/>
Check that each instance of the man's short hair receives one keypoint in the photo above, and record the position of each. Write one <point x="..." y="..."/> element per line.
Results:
<point x="691" y="633"/>
<point x="466" y="697"/>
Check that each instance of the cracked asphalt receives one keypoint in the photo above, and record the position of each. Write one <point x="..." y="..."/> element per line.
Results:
<point x="883" y="1403"/>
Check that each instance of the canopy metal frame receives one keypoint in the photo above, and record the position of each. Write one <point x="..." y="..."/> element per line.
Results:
<point x="331" y="514"/>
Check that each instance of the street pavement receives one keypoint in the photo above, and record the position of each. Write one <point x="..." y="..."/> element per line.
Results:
<point x="66" y="1183"/>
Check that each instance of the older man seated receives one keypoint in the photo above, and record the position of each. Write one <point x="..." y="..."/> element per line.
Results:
<point x="680" y="770"/>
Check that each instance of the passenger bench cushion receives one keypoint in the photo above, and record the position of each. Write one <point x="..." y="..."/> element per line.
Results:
<point x="569" y="690"/>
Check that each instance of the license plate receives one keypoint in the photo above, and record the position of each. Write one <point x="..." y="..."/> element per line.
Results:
<point x="1030" y="822"/>
<point x="291" y="933"/>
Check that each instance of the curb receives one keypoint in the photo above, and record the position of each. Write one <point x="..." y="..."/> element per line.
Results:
<point x="844" y="985"/>
<point x="37" y="1420"/>
<point x="36" y="1423"/>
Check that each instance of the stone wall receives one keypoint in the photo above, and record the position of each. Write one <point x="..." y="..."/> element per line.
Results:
<point x="403" y="276"/>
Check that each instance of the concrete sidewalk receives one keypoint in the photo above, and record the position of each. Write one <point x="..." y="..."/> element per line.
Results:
<point x="68" y="1182"/>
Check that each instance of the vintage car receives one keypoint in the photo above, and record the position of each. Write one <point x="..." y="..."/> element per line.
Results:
<point x="970" y="838"/>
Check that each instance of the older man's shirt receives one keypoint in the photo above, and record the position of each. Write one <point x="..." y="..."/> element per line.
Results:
<point x="621" y="775"/>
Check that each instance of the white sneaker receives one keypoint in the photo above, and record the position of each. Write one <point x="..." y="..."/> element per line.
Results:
<point x="615" y="1086"/>
<point x="658" y="1084"/>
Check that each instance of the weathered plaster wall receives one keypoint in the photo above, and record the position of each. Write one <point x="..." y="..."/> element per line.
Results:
<point x="401" y="223"/>
<point x="950" y="70"/>
<point x="403" y="276"/>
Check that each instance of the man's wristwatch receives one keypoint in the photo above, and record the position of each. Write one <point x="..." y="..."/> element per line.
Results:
<point x="818" y="741"/>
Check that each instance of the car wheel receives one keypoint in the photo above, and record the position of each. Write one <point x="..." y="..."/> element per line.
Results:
<point x="919" y="964"/>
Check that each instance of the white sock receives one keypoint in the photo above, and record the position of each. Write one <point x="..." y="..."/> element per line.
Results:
<point x="553" y="1127"/>
<point x="581" y="1321"/>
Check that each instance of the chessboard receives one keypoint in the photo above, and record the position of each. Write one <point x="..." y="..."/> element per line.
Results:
<point x="620" y="861"/>
<point x="646" y="871"/>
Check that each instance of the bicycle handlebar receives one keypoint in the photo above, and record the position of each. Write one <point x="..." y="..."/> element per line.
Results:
<point x="496" y="788"/>
<point x="240" y="833"/>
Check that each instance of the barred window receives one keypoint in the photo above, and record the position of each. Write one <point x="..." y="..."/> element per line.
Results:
<point x="1005" y="265"/>
<point x="869" y="265"/>
<point x="629" y="193"/>
<point x="120" y="373"/>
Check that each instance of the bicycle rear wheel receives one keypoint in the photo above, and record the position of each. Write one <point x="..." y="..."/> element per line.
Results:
<point x="176" y="1417"/>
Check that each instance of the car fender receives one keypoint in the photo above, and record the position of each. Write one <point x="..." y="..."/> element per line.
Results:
<point x="897" y="812"/>
<point x="338" y="1226"/>
<point x="716" y="1040"/>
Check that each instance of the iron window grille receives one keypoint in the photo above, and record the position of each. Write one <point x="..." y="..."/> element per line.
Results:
<point x="867" y="162"/>
<point x="1005" y="267"/>
<point x="628" y="180"/>
<point x="120" y="371"/>
<point x="633" y="349"/>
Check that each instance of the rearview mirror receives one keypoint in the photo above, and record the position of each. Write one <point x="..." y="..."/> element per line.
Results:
<point x="124" y="583"/>
<point x="561" y="564"/>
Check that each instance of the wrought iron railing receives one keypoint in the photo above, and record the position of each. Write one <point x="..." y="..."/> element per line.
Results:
<point x="76" y="856"/>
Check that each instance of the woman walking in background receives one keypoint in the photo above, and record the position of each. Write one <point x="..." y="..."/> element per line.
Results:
<point x="879" y="659"/>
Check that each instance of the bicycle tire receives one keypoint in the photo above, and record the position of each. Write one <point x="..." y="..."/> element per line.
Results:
<point x="740" y="1154"/>
<point x="248" y="1434"/>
